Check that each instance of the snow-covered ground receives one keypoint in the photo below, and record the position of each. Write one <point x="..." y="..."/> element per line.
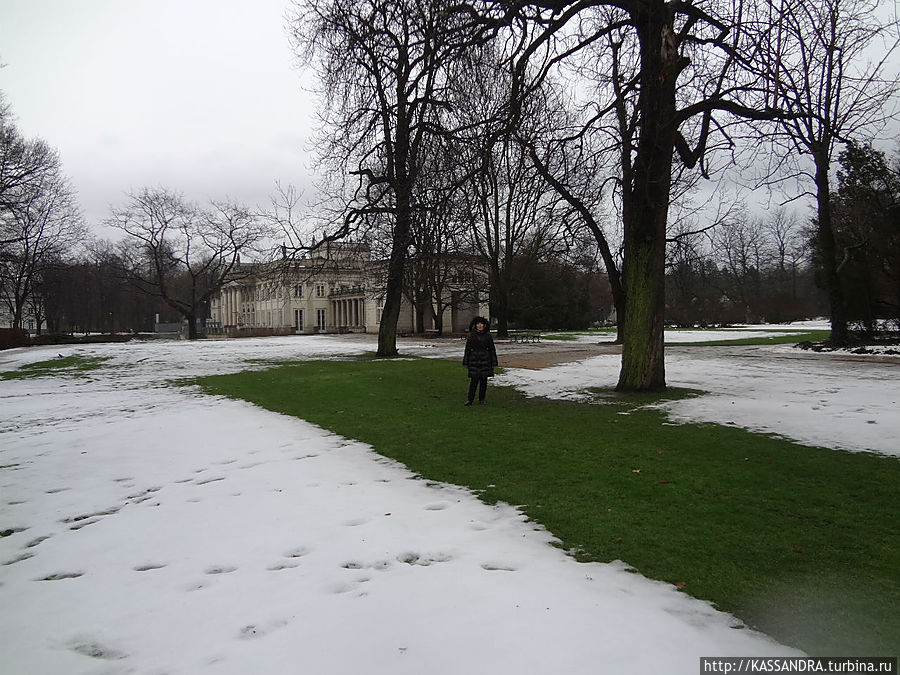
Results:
<point x="704" y="335"/>
<point x="157" y="530"/>
<point x="832" y="400"/>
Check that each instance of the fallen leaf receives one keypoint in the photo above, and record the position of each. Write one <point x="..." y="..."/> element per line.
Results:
<point x="680" y="585"/>
<point x="635" y="471"/>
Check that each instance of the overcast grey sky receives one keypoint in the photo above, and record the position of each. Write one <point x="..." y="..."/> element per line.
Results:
<point x="199" y="96"/>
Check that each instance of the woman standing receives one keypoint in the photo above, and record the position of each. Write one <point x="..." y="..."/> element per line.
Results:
<point x="480" y="358"/>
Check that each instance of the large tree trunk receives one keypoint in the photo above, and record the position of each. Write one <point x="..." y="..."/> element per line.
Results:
<point x="500" y="300"/>
<point x="643" y="359"/>
<point x="192" y="325"/>
<point x="387" y="331"/>
<point x="828" y="254"/>
<point x="619" y="303"/>
<point x="422" y="305"/>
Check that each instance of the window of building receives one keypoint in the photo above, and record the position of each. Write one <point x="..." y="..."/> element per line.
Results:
<point x="320" y="290"/>
<point x="320" y="317"/>
<point x="298" y="319"/>
<point x="298" y="290"/>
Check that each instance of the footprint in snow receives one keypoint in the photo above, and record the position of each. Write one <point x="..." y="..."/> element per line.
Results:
<point x="341" y="587"/>
<point x="11" y="531"/>
<point x="498" y="567"/>
<point x="84" y="523"/>
<point x="222" y="569"/>
<point x="35" y="542"/>
<point x="423" y="560"/>
<point x="95" y="650"/>
<point x="298" y="552"/>
<point x="59" y="576"/>
<point x="24" y="556"/>
<point x="207" y="481"/>
<point x="355" y="522"/>
<point x="379" y="565"/>
<point x="253" y="630"/>
<point x="278" y="567"/>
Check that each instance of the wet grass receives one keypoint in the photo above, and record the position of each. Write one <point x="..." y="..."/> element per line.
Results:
<point x="800" y="542"/>
<point x="68" y="366"/>
<point x="785" y="339"/>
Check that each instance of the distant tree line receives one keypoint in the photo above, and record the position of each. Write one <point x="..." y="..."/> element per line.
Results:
<point x="55" y="277"/>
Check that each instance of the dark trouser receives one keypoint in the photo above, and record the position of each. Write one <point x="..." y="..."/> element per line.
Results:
<point x="481" y="384"/>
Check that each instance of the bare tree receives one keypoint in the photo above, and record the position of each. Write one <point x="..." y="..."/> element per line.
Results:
<point x="438" y="240"/>
<point x="788" y="250"/>
<point x="740" y="245"/>
<point x="819" y="62"/>
<point x="385" y="68"/>
<point x="27" y="166"/>
<point x="40" y="222"/>
<point x="576" y="163"/>
<point x="689" y="82"/>
<point x="181" y="253"/>
<point x="507" y="205"/>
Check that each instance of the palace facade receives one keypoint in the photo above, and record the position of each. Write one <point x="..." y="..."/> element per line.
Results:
<point x="339" y="288"/>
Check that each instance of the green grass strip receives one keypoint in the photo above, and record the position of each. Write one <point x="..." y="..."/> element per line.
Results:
<point x="800" y="542"/>
<point x="69" y="366"/>
<point x="785" y="339"/>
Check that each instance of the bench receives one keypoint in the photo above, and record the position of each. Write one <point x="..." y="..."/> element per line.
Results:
<point x="525" y="337"/>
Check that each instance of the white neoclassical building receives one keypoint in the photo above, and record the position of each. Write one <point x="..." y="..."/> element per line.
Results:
<point x="339" y="289"/>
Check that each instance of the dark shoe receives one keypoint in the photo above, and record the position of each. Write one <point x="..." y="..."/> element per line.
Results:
<point x="468" y="403"/>
<point x="481" y="402"/>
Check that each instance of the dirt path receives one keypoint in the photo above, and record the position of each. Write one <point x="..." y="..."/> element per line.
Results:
<point x="548" y="353"/>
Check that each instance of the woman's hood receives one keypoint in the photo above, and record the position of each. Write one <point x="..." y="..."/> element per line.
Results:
<point x="479" y="319"/>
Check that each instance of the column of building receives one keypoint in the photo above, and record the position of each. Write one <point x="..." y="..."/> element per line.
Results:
<point x="226" y="307"/>
<point x="349" y="312"/>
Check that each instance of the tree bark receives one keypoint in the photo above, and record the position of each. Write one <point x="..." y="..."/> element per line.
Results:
<point x="828" y="253"/>
<point x="643" y="354"/>
<point x="192" y="325"/>
<point x="387" y="330"/>
<point x="500" y="301"/>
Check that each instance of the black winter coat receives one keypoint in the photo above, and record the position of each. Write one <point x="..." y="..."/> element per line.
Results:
<point x="480" y="356"/>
